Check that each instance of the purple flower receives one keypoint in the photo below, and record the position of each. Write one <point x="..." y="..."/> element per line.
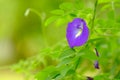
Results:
<point x="96" y="64"/>
<point x="77" y="32"/>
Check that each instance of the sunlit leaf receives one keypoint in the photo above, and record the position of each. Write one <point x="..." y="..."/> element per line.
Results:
<point x="57" y="12"/>
<point x="66" y="6"/>
<point x="67" y="53"/>
<point x="103" y="1"/>
<point x="90" y="55"/>
<point x="53" y="75"/>
<point x="106" y="1"/>
<point x="42" y="75"/>
<point x="51" y="20"/>
<point x="61" y="21"/>
<point x="66" y="61"/>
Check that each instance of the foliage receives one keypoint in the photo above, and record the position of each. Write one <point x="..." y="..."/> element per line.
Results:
<point x="63" y="63"/>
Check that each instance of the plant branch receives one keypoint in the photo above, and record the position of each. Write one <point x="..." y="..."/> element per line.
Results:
<point x="77" y="63"/>
<point x="94" y="14"/>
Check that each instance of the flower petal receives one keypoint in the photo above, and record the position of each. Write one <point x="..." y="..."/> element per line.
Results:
<point x="96" y="64"/>
<point x="77" y="32"/>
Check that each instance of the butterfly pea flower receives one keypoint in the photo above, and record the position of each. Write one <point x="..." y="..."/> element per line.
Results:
<point x="96" y="64"/>
<point x="77" y="32"/>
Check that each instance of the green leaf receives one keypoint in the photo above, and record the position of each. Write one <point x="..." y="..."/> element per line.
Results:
<point x="79" y="5"/>
<point x="68" y="52"/>
<point x="64" y="70"/>
<point x="53" y="75"/>
<point x="61" y="21"/>
<point x="42" y="75"/>
<point x="107" y="1"/>
<point x="73" y="15"/>
<point x="66" y="6"/>
<point x="95" y="39"/>
<point x="65" y="61"/>
<point x="70" y="71"/>
<point x="103" y="1"/>
<point x="89" y="55"/>
<point x="104" y="7"/>
<point x="58" y="12"/>
<point x="50" y="20"/>
<point x="55" y="54"/>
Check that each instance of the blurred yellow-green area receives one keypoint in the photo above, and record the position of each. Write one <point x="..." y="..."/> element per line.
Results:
<point x="22" y="36"/>
<point x="23" y="32"/>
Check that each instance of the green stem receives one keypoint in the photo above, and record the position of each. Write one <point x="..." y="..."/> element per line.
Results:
<point x="77" y="63"/>
<point x="94" y="13"/>
<point x="39" y="15"/>
<point x="113" y="6"/>
<point x="32" y="10"/>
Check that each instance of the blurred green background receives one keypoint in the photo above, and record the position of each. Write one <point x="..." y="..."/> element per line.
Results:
<point x="24" y="36"/>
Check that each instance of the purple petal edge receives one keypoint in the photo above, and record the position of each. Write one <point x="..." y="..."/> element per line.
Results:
<point x="96" y="65"/>
<point x="72" y="30"/>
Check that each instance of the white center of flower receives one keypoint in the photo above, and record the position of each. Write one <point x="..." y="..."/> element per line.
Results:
<point x="78" y="33"/>
<point x="80" y="30"/>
